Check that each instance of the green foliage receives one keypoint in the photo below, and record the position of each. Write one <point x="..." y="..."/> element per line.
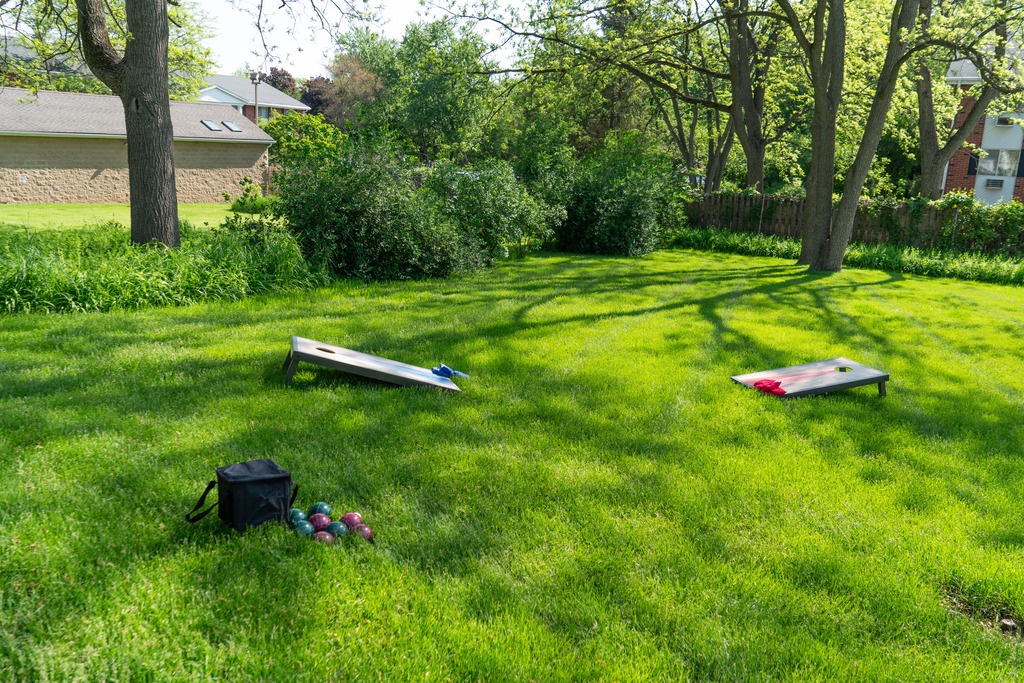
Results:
<point x="357" y="214"/>
<point x="302" y="141"/>
<point x="971" y="226"/>
<point x="491" y="205"/>
<point x="619" y="200"/>
<point x="888" y="257"/>
<point x="434" y="86"/>
<point x="97" y="269"/>
<point x="967" y="226"/>
<point x="544" y="159"/>
<point x="252" y="199"/>
<point x="48" y="31"/>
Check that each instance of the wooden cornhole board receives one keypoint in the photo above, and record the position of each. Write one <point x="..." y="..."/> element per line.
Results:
<point x="821" y="377"/>
<point x="362" y="364"/>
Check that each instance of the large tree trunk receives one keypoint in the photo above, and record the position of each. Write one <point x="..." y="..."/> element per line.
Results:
<point x="826" y="63"/>
<point x="817" y="216"/>
<point x="139" y="78"/>
<point x="834" y="248"/>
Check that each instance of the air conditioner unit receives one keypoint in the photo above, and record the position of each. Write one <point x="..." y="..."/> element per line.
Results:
<point x="993" y="183"/>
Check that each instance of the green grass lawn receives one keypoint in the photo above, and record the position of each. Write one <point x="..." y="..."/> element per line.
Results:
<point x="40" y="216"/>
<point x="601" y="502"/>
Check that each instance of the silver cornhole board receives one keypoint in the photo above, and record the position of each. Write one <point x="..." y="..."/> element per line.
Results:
<point x="820" y="377"/>
<point x="362" y="364"/>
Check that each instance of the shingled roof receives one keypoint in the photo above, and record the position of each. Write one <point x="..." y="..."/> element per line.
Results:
<point x="83" y="115"/>
<point x="242" y="88"/>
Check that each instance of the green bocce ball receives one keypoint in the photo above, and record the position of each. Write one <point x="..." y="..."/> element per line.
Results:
<point x="320" y="508"/>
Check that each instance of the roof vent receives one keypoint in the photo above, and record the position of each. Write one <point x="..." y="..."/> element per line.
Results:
<point x="993" y="183"/>
<point x="230" y="125"/>
<point x="210" y="124"/>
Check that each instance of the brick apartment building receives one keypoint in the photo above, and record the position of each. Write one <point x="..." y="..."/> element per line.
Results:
<point x="71" y="147"/>
<point x="998" y="175"/>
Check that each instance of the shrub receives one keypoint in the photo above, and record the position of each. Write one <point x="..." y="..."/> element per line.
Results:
<point x="619" y="200"/>
<point x="971" y="226"/>
<point x="490" y="205"/>
<point x="357" y="214"/>
<point x="252" y="200"/>
<point x="97" y="269"/>
<point x="978" y="267"/>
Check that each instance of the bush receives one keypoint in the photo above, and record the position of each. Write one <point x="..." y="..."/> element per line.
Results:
<point x="490" y="205"/>
<point x="977" y="267"/>
<point x="357" y="214"/>
<point x="617" y="205"/>
<point x="252" y="200"/>
<point x="97" y="269"/>
<point x="971" y="226"/>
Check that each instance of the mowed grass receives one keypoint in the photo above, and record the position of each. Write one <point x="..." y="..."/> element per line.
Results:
<point x="48" y="216"/>
<point x="601" y="501"/>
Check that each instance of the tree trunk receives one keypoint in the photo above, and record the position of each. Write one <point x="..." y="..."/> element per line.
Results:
<point x="933" y="157"/>
<point x="718" y="154"/>
<point x="747" y="85"/>
<point x="928" y="134"/>
<point x="826" y="64"/>
<point x="139" y="78"/>
<point x="830" y="257"/>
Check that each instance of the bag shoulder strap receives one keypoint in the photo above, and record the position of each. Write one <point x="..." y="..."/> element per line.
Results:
<point x="192" y="518"/>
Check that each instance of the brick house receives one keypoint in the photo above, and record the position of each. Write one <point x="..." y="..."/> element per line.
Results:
<point x="62" y="147"/>
<point x="998" y="175"/>
<point x="240" y="93"/>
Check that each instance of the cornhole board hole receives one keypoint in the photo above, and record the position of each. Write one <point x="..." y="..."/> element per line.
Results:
<point x="821" y="377"/>
<point x="362" y="364"/>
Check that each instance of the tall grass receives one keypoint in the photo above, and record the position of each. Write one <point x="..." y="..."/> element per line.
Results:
<point x="962" y="266"/>
<point x="97" y="269"/>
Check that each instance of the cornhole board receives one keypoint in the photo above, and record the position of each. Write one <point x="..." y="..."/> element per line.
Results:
<point x="362" y="364"/>
<point x="821" y="377"/>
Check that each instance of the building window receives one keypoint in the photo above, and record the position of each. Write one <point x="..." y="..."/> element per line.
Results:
<point x="264" y="112"/>
<point x="999" y="162"/>
<point x="210" y="124"/>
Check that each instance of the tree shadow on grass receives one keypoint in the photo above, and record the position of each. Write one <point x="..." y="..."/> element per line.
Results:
<point x="456" y="494"/>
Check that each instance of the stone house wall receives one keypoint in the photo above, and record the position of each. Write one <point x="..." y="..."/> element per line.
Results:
<point x="51" y="169"/>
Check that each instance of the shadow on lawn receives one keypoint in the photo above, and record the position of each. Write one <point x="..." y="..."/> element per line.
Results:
<point x="361" y="442"/>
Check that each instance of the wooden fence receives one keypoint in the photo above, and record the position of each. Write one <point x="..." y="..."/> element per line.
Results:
<point x="783" y="216"/>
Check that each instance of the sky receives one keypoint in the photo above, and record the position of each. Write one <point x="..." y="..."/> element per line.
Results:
<point x="300" y="51"/>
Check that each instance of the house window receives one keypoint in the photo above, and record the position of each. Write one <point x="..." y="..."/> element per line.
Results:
<point x="1004" y="120"/>
<point x="999" y="162"/>
<point x="210" y="124"/>
<point x="230" y="125"/>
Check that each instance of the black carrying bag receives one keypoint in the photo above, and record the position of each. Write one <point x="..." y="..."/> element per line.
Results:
<point x="249" y="493"/>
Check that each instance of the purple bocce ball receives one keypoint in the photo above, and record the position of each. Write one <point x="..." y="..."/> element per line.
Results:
<point x="351" y="519"/>
<point x="319" y="521"/>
